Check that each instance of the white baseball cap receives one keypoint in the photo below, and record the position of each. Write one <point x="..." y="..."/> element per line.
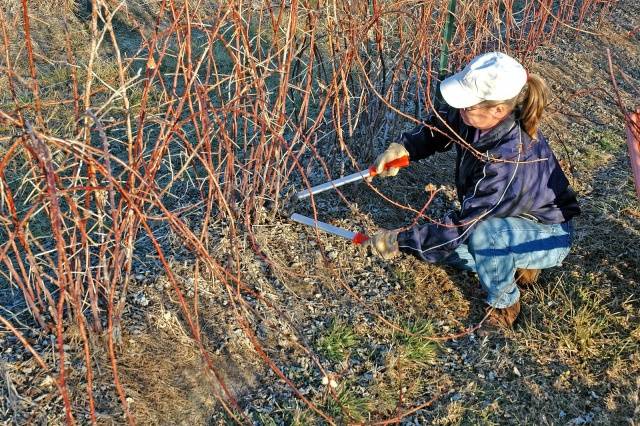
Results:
<point x="492" y="76"/>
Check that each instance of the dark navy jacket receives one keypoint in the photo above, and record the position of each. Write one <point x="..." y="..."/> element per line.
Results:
<point x="529" y="184"/>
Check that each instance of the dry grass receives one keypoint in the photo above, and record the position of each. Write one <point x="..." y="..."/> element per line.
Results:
<point x="187" y="300"/>
<point x="8" y="394"/>
<point x="165" y="382"/>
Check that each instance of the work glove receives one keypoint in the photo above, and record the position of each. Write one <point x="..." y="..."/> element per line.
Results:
<point x="384" y="244"/>
<point x="393" y="152"/>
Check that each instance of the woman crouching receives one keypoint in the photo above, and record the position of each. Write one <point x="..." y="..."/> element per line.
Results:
<point x="516" y="204"/>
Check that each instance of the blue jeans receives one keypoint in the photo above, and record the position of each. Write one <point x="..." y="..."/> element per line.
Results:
<point x="499" y="246"/>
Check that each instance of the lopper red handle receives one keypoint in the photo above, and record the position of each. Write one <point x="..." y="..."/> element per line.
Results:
<point x="398" y="162"/>
<point x="360" y="238"/>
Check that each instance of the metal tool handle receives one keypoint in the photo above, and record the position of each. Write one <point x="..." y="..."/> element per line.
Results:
<point x="354" y="177"/>
<point x="398" y="162"/>
<point x="355" y="237"/>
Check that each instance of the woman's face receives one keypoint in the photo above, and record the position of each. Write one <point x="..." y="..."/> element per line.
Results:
<point x="484" y="117"/>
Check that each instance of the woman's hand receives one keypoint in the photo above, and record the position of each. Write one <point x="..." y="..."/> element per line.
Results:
<point x="393" y="152"/>
<point x="384" y="243"/>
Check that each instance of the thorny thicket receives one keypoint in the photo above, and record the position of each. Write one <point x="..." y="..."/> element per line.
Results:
<point x="219" y="110"/>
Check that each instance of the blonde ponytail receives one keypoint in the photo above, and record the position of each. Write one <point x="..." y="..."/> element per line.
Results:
<point x="532" y="103"/>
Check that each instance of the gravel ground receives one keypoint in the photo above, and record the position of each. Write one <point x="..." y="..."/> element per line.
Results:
<point x="572" y="359"/>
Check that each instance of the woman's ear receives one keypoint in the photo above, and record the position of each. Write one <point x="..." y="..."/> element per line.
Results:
<point x="500" y="111"/>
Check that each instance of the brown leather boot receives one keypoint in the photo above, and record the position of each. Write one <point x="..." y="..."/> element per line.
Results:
<point x="527" y="277"/>
<point x="499" y="319"/>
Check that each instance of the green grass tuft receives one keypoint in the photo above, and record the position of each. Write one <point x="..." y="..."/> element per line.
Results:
<point x="416" y="347"/>
<point x="608" y="140"/>
<point x="349" y="405"/>
<point x="338" y="342"/>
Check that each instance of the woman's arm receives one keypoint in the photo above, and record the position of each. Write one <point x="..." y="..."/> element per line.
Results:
<point x="435" y="136"/>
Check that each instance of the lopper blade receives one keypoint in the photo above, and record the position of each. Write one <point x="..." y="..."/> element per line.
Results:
<point x="333" y="184"/>
<point x="355" y="237"/>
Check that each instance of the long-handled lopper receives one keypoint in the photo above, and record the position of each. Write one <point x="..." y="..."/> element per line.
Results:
<point x="371" y="172"/>
<point x="355" y="237"/>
